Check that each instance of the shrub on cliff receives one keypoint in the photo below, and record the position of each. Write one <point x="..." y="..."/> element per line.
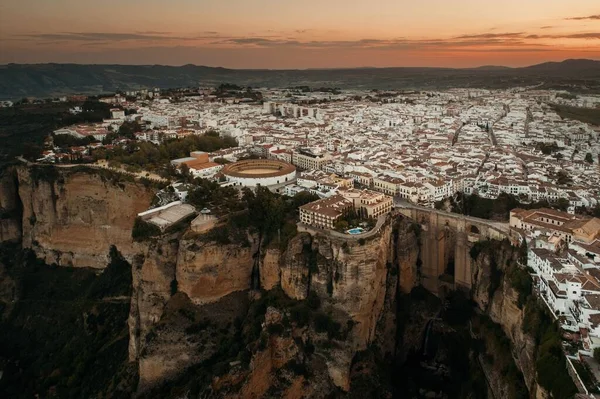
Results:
<point x="521" y="281"/>
<point x="143" y="230"/>
<point x="45" y="173"/>
<point x="325" y="323"/>
<point x="300" y="314"/>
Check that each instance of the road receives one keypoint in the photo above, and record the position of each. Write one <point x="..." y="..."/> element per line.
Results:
<point x="500" y="226"/>
<point x="491" y="128"/>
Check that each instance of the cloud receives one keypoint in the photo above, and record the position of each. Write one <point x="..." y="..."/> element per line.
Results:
<point x="491" y="35"/>
<point x="486" y="41"/>
<point x="546" y="27"/>
<point x="590" y="35"/>
<point x="474" y="41"/>
<point x="100" y="36"/>
<point x="153" y="32"/>
<point x="592" y="17"/>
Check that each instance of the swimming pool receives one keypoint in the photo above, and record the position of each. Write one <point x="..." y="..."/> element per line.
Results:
<point x="356" y="230"/>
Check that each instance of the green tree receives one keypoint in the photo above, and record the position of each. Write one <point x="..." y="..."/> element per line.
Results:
<point x="185" y="171"/>
<point x="588" y="158"/>
<point x="266" y="211"/>
<point x="303" y="198"/>
<point x="563" y="178"/>
<point x="341" y="225"/>
<point x="597" y="354"/>
<point x="562" y="204"/>
<point x="128" y="129"/>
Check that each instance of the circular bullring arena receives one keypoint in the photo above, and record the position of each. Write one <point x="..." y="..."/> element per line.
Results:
<point x="266" y="172"/>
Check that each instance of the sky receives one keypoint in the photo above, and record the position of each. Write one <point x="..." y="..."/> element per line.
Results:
<point x="287" y="34"/>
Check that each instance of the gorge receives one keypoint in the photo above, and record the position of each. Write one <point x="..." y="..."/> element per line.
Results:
<point x="427" y="307"/>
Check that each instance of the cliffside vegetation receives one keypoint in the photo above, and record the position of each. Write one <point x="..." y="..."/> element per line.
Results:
<point x="143" y="230"/>
<point x="66" y="334"/>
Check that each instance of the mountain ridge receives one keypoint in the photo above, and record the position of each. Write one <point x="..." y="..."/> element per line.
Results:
<point x="53" y="79"/>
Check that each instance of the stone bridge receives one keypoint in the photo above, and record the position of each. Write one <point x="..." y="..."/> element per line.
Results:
<point x="446" y="240"/>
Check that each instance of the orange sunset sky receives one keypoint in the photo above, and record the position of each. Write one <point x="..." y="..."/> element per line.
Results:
<point x="299" y="34"/>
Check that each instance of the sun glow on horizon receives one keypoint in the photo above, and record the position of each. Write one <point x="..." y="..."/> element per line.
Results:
<point x="265" y="34"/>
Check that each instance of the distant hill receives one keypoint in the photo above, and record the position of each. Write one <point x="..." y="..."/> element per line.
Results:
<point x="567" y="68"/>
<point x="493" y="68"/>
<point x="46" y="80"/>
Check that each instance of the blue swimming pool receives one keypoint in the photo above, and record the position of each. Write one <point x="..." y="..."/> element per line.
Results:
<point x="356" y="230"/>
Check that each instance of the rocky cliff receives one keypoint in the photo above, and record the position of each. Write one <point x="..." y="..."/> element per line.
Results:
<point x="207" y="271"/>
<point x="355" y="281"/>
<point x="349" y="274"/>
<point x="497" y="298"/>
<point x="71" y="216"/>
<point x="10" y="206"/>
<point x="272" y="319"/>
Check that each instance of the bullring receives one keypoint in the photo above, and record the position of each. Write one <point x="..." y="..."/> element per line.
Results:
<point x="264" y="172"/>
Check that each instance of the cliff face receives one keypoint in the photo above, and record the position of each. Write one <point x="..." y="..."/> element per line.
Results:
<point x="351" y="276"/>
<point x="356" y="282"/>
<point x="189" y="292"/>
<point x="153" y="284"/>
<point x="208" y="271"/>
<point x="495" y="297"/>
<point x="356" y="279"/>
<point x="10" y="207"/>
<point x="72" y="218"/>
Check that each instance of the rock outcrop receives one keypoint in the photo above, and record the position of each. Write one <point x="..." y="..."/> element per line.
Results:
<point x="207" y="271"/>
<point x="153" y="286"/>
<point x="495" y="297"/>
<point x="356" y="280"/>
<point x="71" y="218"/>
<point x="349" y="274"/>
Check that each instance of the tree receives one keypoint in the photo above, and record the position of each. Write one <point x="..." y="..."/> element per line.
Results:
<point x="109" y="138"/>
<point x="588" y="158"/>
<point x="143" y="230"/>
<point x="562" y="204"/>
<point x="185" y="171"/>
<point x="597" y="354"/>
<point x="303" y="198"/>
<point x="266" y="211"/>
<point x="563" y="178"/>
<point x="128" y="129"/>
<point x="341" y="225"/>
